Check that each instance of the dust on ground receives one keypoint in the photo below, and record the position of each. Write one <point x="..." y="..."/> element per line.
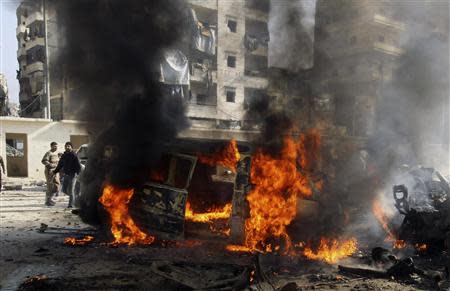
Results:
<point x="34" y="257"/>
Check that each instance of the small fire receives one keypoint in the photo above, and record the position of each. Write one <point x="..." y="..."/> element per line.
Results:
<point x="278" y="183"/>
<point x="209" y="216"/>
<point x="123" y="228"/>
<point x="399" y="244"/>
<point x="331" y="251"/>
<point x="238" y="248"/>
<point x="421" y="247"/>
<point x="78" y="241"/>
<point x="228" y="157"/>
<point x="377" y="210"/>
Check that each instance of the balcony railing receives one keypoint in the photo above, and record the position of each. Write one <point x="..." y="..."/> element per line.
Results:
<point x="35" y="16"/>
<point x="20" y="29"/>
<point x="381" y="19"/>
<point x="198" y="75"/>
<point x="387" y="48"/>
<point x="209" y="4"/>
<point x="34" y="42"/>
<point x="37" y="66"/>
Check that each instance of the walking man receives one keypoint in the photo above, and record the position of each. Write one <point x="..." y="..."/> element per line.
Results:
<point x="2" y="164"/>
<point x="71" y="167"/>
<point x="50" y="161"/>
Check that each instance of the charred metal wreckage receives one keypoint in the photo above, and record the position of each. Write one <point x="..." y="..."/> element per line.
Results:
<point x="159" y="205"/>
<point x="426" y="208"/>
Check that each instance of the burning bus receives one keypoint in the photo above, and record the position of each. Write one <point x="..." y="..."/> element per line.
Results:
<point x="214" y="190"/>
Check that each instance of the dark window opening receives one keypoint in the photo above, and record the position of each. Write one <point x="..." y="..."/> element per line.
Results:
<point x="231" y="61"/>
<point x="231" y="95"/>
<point x="202" y="99"/>
<point x="232" y="25"/>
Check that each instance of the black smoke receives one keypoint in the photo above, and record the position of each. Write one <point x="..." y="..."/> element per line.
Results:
<point x="111" y="53"/>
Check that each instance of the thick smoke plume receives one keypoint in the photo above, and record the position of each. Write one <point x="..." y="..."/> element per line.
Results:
<point x="112" y="48"/>
<point x="291" y="28"/>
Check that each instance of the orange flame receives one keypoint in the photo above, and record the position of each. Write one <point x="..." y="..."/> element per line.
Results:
<point x="211" y="215"/>
<point x="399" y="244"/>
<point x="421" y="247"/>
<point x="238" y="248"/>
<point x="123" y="228"/>
<point x="78" y="241"/>
<point x="228" y="157"/>
<point x="378" y="212"/>
<point x="278" y="183"/>
<point x="331" y="251"/>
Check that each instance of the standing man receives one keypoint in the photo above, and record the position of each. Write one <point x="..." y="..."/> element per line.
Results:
<point x="2" y="164"/>
<point x="50" y="161"/>
<point x="71" y="167"/>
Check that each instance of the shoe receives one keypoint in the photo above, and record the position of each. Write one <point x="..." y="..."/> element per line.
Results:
<point x="51" y="203"/>
<point x="69" y="206"/>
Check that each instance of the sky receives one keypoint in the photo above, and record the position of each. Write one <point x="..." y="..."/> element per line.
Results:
<point x="8" y="46"/>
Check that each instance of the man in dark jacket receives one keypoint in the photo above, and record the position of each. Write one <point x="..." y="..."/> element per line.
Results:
<point x="2" y="164"/>
<point x="71" y="167"/>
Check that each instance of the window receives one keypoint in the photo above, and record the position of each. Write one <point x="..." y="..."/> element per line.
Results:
<point x="231" y="61"/>
<point x="232" y="25"/>
<point x="381" y="38"/>
<point x="231" y="94"/>
<point x="202" y="99"/>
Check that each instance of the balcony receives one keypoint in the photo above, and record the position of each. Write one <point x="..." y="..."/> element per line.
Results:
<point x="208" y="4"/>
<point x="34" y="67"/>
<point x="380" y="19"/>
<point x="202" y="111"/>
<point x="35" y="16"/>
<point x="198" y="75"/>
<point x="256" y="82"/>
<point x="387" y="49"/>
<point x="256" y="15"/>
<point x="261" y="51"/>
<point x="38" y="41"/>
<point x="20" y="29"/>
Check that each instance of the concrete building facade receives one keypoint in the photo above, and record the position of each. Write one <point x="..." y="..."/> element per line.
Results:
<point x="24" y="141"/>
<point x="222" y="84"/>
<point x="364" y="57"/>
<point x="33" y="47"/>
<point x="357" y="45"/>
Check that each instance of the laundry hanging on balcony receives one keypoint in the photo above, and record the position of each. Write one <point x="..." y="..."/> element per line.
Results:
<point x="203" y="35"/>
<point x="174" y="68"/>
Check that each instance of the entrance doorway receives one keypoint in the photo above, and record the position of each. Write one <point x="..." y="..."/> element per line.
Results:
<point x="16" y="155"/>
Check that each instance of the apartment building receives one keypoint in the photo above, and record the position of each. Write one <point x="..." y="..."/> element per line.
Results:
<point x="224" y="81"/>
<point x="31" y="57"/>
<point x="33" y="45"/>
<point x="357" y="45"/>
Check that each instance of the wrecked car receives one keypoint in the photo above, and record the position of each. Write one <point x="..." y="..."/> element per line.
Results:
<point x="425" y="203"/>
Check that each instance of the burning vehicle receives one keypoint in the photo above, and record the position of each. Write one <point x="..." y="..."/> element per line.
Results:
<point x="214" y="190"/>
<point x="425" y="205"/>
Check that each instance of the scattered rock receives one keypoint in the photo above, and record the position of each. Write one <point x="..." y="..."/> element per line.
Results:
<point x="43" y="227"/>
